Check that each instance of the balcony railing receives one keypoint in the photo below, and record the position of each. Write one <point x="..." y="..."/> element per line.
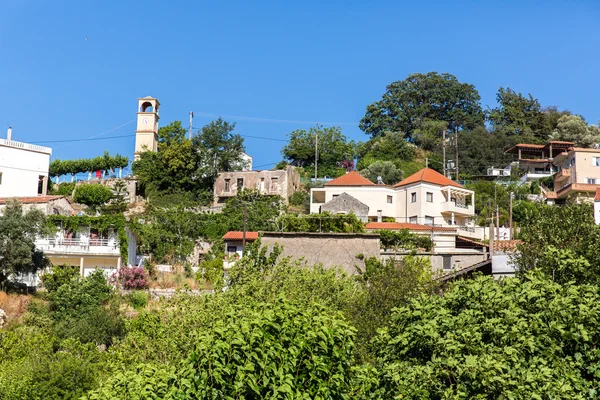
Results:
<point x="78" y="246"/>
<point x="460" y="208"/>
<point x="562" y="175"/>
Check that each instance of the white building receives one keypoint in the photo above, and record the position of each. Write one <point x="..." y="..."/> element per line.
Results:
<point x="23" y="168"/>
<point x="426" y="197"/>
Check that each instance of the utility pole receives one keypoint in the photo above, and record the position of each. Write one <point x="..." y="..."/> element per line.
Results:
<point x="244" y="233"/>
<point x="510" y="226"/>
<point x="316" y="153"/>
<point x="497" y="213"/>
<point x="444" y="149"/>
<point x="191" y="118"/>
<point x="426" y="162"/>
<point x="456" y="141"/>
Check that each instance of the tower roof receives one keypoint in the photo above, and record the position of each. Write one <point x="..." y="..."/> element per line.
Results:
<point x="352" y="178"/>
<point x="428" y="175"/>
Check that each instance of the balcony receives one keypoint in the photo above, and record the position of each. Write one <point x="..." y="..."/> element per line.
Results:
<point x="564" y="173"/>
<point x="78" y="246"/>
<point x="457" y="208"/>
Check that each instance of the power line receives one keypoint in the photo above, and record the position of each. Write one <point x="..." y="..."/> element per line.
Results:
<point x="103" y="133"/>
<point x="83" y="140"/>
<point x="275" y="121"/>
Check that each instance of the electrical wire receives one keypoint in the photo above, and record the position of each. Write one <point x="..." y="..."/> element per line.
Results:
<point x="83" y="140"/>
<point x="270" y="120"/>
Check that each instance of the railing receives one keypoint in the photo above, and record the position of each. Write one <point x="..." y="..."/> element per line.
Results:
<point x="78" y="245"/>
<point x="25" y="146"/>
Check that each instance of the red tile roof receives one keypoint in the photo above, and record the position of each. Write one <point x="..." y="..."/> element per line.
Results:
<point x="403" y="225"/>
<point x="238" y="235"/>
<point x="430" y="176"/>
<point x="506" y="245"/>
<point x="597" y="198"/>
<point x="30" y="200"/>
<point x="352" y="178"/>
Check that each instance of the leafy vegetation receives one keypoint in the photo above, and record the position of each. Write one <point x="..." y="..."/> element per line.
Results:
<point x="92" y="195"/>
<point x="100" y="163"/>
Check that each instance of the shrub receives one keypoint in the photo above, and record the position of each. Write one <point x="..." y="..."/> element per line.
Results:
<point x="64" y="189"/>
<point x="300" y="198"/>
<point x="92" y="195"/>
<point x="132" y="278"/>
<point x="59" y="275"/>
<point x="138" y="299"/>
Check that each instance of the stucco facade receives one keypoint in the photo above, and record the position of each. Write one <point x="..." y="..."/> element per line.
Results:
<point x="281" y="182"/>
<point x="578" y="175"/>
<point x="426" y="197"/>
<point x="23" y="168"/>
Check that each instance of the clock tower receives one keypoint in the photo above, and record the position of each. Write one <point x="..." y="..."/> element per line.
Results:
<point x="146" y="134"/>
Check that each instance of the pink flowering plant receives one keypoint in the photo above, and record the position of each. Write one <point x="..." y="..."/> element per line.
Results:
<point x="132" y="278"/>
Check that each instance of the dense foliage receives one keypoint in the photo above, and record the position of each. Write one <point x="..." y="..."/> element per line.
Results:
<point x="18" y="229"/>
<point x="92" y="195"/>
<point x="403" y="240"/>
<point x="183" y="170"/>
<point x="100" y="163"/>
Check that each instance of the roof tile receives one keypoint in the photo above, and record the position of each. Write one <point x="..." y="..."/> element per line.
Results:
<point x="430" y="176"/>
<point x="30" y="200"/>
<point x="239" y="235"/>
<point x="352" y="178"/>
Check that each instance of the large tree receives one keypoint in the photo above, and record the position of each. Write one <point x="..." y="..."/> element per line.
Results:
<point x="18" y="230"/>
<point x="573" y="128"/>
<point x="387" y="170"/>
<point x="407" y="104"/>
<point x="481" y="149"/>
<point x="334" y="150"/>
<point x="219" y="149"/>
<point x="517" y="114"/>
<point x="389" y="146"/>
<point x="184" y="168"/>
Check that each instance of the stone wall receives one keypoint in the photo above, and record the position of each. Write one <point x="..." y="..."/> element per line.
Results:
<point x="344" y="203"/>
<point x="456" y="261"/>
<point x="329" y="249"/>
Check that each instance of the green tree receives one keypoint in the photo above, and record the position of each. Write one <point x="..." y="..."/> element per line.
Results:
<point x="118" y="204"/>
<point x="389" y="146"/>
<point x="92" y="195"/>
<point x="219" y="150"/>
<point x="18" y="230"/>
<point x="571" y="228"/>
<point x="573" y="128"/>
<point x="261" y="212"/>
<point x="333" y="148"/>
<point x="407" y="104"/>
<point x="387" y="170"/>
<point x="517" y="114"/>
<point x="520" y="339"/>
<point x="480" y="149"/>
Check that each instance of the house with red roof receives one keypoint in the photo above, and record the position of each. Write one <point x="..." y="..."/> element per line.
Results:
<point x="426" y="198"/>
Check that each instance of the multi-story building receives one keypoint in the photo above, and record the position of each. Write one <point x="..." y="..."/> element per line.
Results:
<point x="426" y="197"/>
<point x="536" y="160"/>
<point x="23" y="168"/>
<point x="281" y="182"/>
<point x="578" y="174"/>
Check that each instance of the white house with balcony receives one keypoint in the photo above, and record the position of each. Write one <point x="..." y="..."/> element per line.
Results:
<point x="88" y="248"/>
<point x="23" y="168"/>
<point x="426" y="197"/>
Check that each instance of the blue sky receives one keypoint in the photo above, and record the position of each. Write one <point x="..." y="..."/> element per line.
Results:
<point x="315" y="61"/>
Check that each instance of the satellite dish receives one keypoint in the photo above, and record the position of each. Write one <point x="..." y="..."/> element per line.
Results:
<point x="379" y="180"/>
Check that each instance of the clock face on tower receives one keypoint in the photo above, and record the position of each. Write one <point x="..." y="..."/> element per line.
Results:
<point x="145" y="120"/>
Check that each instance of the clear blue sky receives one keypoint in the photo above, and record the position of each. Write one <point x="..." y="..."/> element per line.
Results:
<point x="281" y="60"/>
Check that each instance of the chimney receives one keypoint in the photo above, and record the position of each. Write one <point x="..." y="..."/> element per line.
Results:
<point x="9" y="134"/>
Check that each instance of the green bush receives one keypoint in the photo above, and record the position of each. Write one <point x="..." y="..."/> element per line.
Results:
<point x="64" y="189"/>
<point x="519" y="339"/>
<point x="273" y="350"/>
<point x="59" y="275"/>
<point x="300" y="198"/>
<point x="92" y="195"/>
<point x="138" y="299"/>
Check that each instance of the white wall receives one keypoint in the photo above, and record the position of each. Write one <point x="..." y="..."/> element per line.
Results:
<point x="21" y="165"/>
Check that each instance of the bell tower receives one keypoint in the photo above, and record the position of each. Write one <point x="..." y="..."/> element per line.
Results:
<point x="146" y="133"/>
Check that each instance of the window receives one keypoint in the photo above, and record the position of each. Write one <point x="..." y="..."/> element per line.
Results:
<point x="447" y="262"/>
<point x="227" y="185"/>
<point x="596" y="161"/>
<point x="413" y="197"/>
<point x="428" y="220"/>
<point x="240" y="183"/>
<point x="231" y="249"/>
<point x="590" y="181"/>
<point x="274" y="183"/>
<point x="429" y="197"/>
<point x="414" y="220"/>
<point x="389" y="199"/>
